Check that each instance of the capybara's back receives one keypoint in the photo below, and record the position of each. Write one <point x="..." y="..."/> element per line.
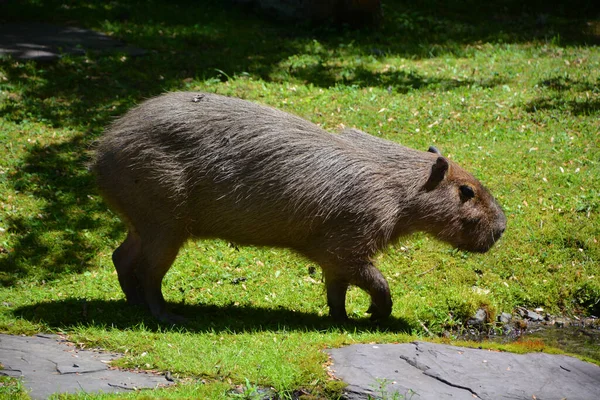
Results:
<point x="201" y="165"/>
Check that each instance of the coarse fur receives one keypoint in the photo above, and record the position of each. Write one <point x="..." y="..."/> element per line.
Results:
<point x="197" y="165"/>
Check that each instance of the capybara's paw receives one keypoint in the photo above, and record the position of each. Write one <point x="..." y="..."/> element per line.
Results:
<point x="159" y="311"/>
<point x="136" y="297"/>
<point x="339" y="316"/>
<point x="171" y="319"/>
<point x="377" y="313"/>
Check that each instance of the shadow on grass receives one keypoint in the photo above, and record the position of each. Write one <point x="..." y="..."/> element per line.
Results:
<point x="118" y="314"/>
<point x="564" y="83"/>
<point x="575" y="107"/>
<point x="189" y="40"/>
<point x="58" y="238"/>
<point x="397" y="81"/>
<point x="560" y="88"/>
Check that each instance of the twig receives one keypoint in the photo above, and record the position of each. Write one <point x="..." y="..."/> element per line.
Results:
<point x="429" y="270"/>
<point x="424" y="327"/>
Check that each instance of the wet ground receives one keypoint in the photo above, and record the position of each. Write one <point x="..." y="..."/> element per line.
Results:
<point x="575" y="335"/>
<point x="580" y="340"/>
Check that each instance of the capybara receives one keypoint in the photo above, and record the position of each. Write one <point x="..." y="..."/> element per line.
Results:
<point x="198" y="165"/>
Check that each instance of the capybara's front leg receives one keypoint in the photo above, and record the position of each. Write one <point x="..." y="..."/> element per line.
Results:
<point x="371" y="280"/>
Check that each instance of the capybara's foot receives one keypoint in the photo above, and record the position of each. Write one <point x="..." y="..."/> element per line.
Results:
<point x="338" y="316"/>
<point x="135" y="296"/>
<point x="158" y="308"/>
<point x="377" y="313"/>
<point x="170" y="318"/>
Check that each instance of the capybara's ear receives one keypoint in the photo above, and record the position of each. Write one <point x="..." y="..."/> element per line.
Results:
<point x="438" y="172"/>
<point x="434" y="150"/>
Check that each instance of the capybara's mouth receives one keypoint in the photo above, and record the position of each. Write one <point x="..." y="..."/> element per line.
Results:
<point x="479" y="247"/>
<point x="485" y="247"/>
<point x="482" y="249"/>
<point x="476" y="249"/>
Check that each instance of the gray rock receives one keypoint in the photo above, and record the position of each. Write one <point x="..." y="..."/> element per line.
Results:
<point x="505" y="318"/>
<point x="45" y="42"/>
<point x="423" y="371"/>
<point x="560" y="322"/>
<point x="48" y="364"/>
<point x="530" y="315"/>
<point x="479" y="318"/>
<point x="533" y="316"/>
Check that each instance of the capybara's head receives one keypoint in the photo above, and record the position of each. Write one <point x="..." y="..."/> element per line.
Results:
<point x="460" y="210"/>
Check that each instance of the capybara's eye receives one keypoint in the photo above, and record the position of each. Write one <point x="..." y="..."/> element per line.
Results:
<point x="467" y="191"/>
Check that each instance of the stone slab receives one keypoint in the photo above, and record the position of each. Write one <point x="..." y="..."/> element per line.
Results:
<point x="46" y="42"/>
<point x="428" y="371"/>
<point x="48" y="364"/>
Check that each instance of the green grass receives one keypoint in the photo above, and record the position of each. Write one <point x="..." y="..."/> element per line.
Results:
<point x="514" y="100"/>
<point x="11" y="388"/>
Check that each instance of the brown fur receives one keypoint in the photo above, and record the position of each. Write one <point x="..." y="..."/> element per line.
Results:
<point x="198" y="165"/>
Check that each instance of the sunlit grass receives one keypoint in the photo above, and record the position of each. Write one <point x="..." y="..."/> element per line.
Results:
<point x="517" y="107"/>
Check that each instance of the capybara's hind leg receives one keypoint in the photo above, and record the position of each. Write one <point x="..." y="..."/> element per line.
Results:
<point x="127" y="258"/>
<point x="159" y="254"/>
<point x="370" y="279"/>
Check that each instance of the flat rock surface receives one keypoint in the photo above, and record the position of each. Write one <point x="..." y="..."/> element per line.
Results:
<point x="49" y="364"/>
<point x="46" y="42"/>
<point x="421" y="371"/>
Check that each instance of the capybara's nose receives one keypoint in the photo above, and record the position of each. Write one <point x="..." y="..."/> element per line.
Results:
<point x="500" y="224"/>
<point x="499" y="229"/>
<point x="499" y="232"/>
